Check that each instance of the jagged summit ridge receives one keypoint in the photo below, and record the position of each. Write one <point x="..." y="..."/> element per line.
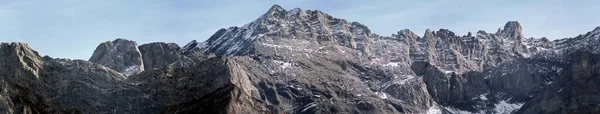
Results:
<point x="436" y="58"/>
<point x="586" y="42"/>
<point x="405" y="33"/>
<point x="278" y="22"/>
<point x="277" y="26"/>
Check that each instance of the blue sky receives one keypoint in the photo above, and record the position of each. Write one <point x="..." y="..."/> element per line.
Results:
<point x="73" y="28"/>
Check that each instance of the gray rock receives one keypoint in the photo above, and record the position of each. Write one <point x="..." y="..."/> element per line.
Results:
<point x="20" y="70"/>
<point x="160" y="55"/>
<point x="47" y="85"/>
<point x="120" y="55"/>
<point x="574" y="91"/>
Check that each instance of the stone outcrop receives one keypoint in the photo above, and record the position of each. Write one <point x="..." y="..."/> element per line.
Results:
<point x="120" y="55"/>
<point x="159" y="55"/>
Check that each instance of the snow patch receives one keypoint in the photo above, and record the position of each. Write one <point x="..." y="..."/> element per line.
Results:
<point x="448" y="72"/>
<point x="404" y="81"/>
<point x="483" y="97"/>
<point x="392" y="64"/>
<point x="276" y="46"/>
<point x="297" y="88"/>
<point x="131" y="70"/>
<point x="457" y="111"/>
<point x="434" y="110"/>
<point x="309" y="106"/>
<point x="293" y="12"/>
<point x="504" y="107"/>
<point x="283" y="64"/>
<point x="381" y="95"/>
<point x="560" y="90"/>
<point x="318" y="96"/>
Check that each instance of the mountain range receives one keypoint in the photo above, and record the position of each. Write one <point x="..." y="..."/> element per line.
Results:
<point x="306" y="61"/>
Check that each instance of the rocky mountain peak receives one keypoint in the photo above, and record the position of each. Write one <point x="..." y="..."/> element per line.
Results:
<point x="189" y="47"/>
<point x="120" y="55"/>
<point x="481" y="32"/>
<point x="275" y="8"/>
<point x="405" y="33"/>
<point x="594" y="34"/>
<point x="19" y="58"/>
<point x="512" y="24"/>
<point x="596" y="31"/>
<point x="278" y="24"/>
<point x="429" y="33"/>
<point x="121" y="40"/>
<point x="276" y="11"/>
<point x="588" y="42"/>
<point x="159" y="55"/>
<point x="512" y="30"/>
<point x="511" y="36"/>
<point x="445" y="33"/>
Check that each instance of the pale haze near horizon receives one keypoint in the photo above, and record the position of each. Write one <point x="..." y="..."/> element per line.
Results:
<point x="73" y="29"/>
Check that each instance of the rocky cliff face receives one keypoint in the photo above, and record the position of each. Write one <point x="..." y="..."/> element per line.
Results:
<point x="484" y="73"/>
<point x="121" y="55"/>
<point x="20" y="69"/>
<point x="46" y="85"/>
<point x="160" y="55"/>
<point x="306" y="61"/>
<point x="575" y="89"/>
<point x="32" y="84"/>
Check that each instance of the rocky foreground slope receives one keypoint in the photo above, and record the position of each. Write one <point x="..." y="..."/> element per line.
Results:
<point x="306" y="61"/>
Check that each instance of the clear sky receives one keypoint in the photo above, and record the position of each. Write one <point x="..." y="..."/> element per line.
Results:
<point x="73" y="28"/>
